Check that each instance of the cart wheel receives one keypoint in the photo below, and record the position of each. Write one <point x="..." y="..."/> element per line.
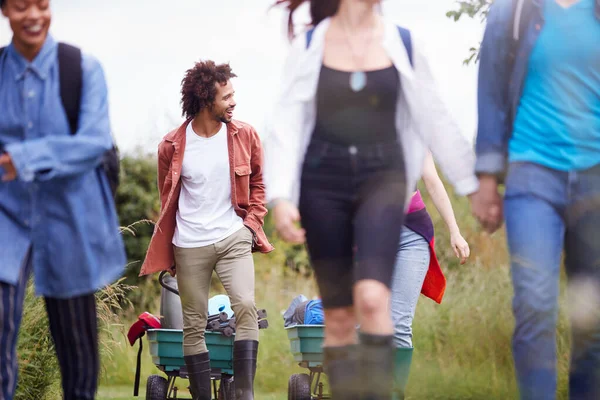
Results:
<point x="156" y="388"/>
<point x="227" y="388"/>
<point x="299" y="387"/>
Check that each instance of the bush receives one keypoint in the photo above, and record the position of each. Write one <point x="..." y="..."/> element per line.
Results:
<point x="138" y="206"/>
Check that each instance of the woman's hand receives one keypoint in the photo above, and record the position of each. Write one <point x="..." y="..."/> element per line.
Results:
<point x="460" y="247"/>
<point x="286" y="216"/>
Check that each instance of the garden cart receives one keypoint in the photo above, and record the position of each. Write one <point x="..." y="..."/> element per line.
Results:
<point x="166" y="349"/>
<point x="306" y="345"/>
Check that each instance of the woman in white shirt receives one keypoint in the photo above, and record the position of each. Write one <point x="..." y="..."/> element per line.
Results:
<point x="358" y="108"/>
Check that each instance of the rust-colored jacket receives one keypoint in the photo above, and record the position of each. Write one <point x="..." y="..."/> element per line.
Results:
<point x="247" y="190"/>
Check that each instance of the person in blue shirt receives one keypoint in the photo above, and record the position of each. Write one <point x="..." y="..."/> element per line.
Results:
<point x="539" y="133"/>
<point x="57" y="214"/>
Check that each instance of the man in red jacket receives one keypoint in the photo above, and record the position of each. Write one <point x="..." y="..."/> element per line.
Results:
<point x="212" y="196"/>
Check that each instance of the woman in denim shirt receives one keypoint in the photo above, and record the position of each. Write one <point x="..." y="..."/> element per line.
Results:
<point x="57" y="214"/>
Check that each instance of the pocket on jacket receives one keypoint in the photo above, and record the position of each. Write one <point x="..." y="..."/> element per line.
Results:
<point x="242" y="184"/>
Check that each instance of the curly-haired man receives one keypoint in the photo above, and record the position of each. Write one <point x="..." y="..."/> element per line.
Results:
<point x="212" y="211"/>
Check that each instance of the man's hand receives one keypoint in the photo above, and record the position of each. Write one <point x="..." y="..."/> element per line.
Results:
<point x="10" y="173"/>
<point x="486" y="204"/>
<point x="172" y="271"/>
<point x="286" y="217"/>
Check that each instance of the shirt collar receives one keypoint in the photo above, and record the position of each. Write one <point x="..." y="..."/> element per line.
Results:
<point x="40" y="65"/>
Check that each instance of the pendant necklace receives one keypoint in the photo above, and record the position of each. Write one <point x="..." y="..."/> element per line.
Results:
<point x="358" y="79"/>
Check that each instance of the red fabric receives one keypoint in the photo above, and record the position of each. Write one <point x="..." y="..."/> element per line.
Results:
<point x="247" y="190"/>
<point x="138" y="329"/>
<point x="434" y="285"/>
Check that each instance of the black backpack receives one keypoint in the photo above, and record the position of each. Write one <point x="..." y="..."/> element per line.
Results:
<point x="71" y="82"/>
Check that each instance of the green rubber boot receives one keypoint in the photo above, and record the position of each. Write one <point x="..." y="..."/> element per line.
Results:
<point x="402" y="363"/>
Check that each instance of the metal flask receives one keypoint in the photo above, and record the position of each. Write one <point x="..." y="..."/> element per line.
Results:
<point x="171" y="316"/>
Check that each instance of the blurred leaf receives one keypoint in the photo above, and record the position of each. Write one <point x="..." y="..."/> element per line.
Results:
<point x="472" y="9"/>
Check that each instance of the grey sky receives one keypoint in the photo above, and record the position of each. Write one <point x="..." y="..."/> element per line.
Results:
<point x="145" y="47"/>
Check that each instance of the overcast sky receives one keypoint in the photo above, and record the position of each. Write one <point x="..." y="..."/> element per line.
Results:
<point x="145" y="47"/>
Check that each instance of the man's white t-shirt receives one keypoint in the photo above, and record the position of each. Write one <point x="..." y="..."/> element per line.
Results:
<point x="205" y="215"/>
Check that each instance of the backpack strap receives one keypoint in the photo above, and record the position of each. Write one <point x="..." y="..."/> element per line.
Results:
<point x="407" y="40"/>
<point x="71" y="82"/>
<point x="404" y="35"/>
<point x="138" y="369"/>
<point x="309" y="35"/>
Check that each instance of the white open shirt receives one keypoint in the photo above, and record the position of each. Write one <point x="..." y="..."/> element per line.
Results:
<point x="422" y="119"/>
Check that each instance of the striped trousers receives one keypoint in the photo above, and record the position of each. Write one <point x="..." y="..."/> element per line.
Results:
<point x="74" y="329"/>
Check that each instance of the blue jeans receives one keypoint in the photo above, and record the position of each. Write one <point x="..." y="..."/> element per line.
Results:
<point x="412" y="263"/>
<point x="548" y="211"/>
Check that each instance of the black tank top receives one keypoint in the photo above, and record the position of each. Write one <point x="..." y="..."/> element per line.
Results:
<point x="349" y="118"/>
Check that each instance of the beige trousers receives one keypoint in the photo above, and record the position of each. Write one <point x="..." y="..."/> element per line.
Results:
<point x="232" y="260"/>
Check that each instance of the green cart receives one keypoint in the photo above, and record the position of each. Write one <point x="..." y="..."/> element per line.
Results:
<point x="166" y="349"/>
<point x="306" y="343"/>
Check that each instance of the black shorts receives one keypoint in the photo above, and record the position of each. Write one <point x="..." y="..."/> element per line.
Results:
<point x="352" y="208"/>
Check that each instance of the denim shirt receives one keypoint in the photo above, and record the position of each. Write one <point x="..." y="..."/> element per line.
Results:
<point x="499" y="86"/>
<point x="60" y="206"/>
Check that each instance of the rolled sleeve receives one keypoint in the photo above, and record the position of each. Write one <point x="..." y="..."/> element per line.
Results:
<point x="490" y="163"/>
<point x="21" y="161"/>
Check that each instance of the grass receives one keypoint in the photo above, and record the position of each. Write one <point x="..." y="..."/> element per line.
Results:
<point x="38" y="368"/>
<point x="462" y="347"/>
<point x="125" y="393"/>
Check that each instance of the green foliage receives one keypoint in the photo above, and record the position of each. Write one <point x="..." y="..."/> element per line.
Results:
<point x="138" y="206"/>
<point x="38" y="368"/>
<point x="472" y="9"/>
